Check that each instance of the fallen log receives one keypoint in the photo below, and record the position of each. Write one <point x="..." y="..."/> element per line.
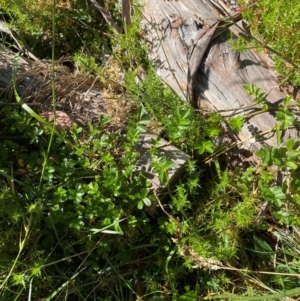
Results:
<point x="173" y="28"/>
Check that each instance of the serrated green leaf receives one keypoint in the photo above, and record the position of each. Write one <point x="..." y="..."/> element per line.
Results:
<point x="293" y="153"/>
<point x="286" y="118"/>
<point x="147" y="202"/>
<point x="236" y="123"/>
<point x="277" y="191"/>
<point x="144" y="121"/>
<point x="247" y="88"/>
<point x="167" y="164"/>
<point x="273" y="195"/>
<point x="292" y="165"/>
<point x="141" y="129"/>
<point x="290" y="144"/>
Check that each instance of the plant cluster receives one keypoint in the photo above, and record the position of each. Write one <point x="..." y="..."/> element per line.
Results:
<point x="277" y="25"/>
<point x="78" y="26"/>
<point x="78" y="222"/>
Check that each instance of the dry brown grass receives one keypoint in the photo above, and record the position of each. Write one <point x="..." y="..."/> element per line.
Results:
<point x="83" y="97"/>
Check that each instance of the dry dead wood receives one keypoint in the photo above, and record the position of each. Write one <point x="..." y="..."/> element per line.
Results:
<point x="171" y="29"/>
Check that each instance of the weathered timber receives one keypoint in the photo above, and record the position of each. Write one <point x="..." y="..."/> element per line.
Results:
<point x="172" y="153"/>
<point x="171" y="29"/>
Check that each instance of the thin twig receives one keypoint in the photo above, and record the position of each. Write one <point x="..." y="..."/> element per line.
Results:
<point x="106" y="16"/>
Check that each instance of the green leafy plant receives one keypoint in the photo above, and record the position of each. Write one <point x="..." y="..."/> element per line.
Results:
<point x="281" y="37"/>
<point x="78" y="221"/>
